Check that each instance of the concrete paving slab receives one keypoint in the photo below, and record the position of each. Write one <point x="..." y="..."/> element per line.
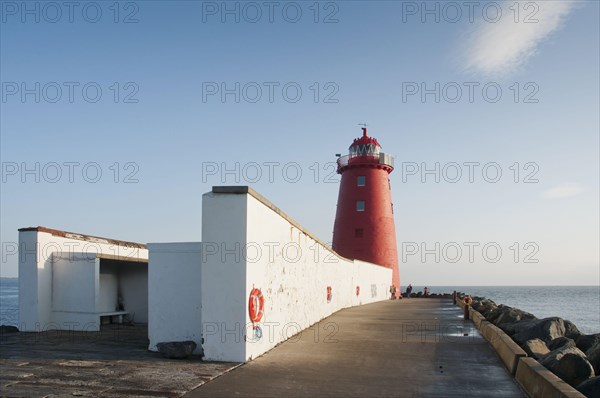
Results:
<point x="112" y="363"/>
<point x="403" y="348"/>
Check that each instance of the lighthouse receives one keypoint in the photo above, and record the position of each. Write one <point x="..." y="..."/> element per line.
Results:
<point x="364" y="222"/>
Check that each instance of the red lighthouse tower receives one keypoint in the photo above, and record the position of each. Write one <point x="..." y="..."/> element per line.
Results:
<point x="364" y="222"/>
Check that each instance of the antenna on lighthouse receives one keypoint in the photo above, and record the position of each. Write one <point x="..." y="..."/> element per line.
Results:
<point x="364" y="128"/>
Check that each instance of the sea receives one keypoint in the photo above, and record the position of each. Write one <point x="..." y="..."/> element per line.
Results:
<point x="579" y="304"/>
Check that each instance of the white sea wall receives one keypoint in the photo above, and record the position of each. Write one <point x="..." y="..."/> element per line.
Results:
<point x="249" y="243"/>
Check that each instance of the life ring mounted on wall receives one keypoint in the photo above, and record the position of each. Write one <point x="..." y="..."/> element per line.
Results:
<point x="329" y="294"/>
<point x="256" y="305"/>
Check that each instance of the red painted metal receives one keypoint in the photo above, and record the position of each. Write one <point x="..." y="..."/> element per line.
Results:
<point x="365" y="139"/>
<point x="368" y="235"/>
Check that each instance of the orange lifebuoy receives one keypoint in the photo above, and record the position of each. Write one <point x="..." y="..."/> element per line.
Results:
<point x="328" y="294"/>
<point x="256" y="305"/>
<point x="467" y="300"/>
<point x="357" y="290"/>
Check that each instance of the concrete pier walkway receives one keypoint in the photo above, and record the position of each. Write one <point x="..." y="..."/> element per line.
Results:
<point x="114" y="363"/>
<point x="406" y="348"/>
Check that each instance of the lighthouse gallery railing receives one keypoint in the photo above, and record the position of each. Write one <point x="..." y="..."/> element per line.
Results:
<point x="381" y="158"/>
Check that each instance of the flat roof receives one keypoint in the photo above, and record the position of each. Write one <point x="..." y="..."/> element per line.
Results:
<point x="87" y="238"/>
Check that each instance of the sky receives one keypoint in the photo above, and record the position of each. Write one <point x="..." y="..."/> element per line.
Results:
<point x="116" y="117"/>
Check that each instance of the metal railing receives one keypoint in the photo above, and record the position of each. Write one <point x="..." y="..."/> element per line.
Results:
<point x="381" y="158"/>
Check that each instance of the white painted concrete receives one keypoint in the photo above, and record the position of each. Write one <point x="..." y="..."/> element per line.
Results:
<point x="248" y="244"/>
<point x="224" y="295"/>
<point x="29" y="311"/>
<point x="174" y="293"/>
<point x="133" y="287"/>
<point x="128" y="280"/>
<point x="108" y="288"/>
<point x="59" y="279"/>
<point x="73" y="283"/>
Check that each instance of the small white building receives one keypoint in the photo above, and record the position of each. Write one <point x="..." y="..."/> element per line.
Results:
<point x="198" y="291"/>
<point x="70" y="281"/>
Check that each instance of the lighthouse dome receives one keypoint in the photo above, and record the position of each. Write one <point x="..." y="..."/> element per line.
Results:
<point x="365" y="145"/>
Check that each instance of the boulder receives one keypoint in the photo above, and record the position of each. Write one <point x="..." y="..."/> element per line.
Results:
<point x="546" y="329"/>
<point x="561" y="342"/>
<point x="498" y="312"/>
<point x="571" y="330"/>
<point x="176" y="349"/>
<point x="586" y="341"/>
<point x="590" y="388"/>
<point x="510" y="316"/>
<point x="8" y="329"/>
<point x="481" y="304"/>
<point x="593" y="355"/>
<point x="487" y="301"/>
<point x="535" y="348"/>
<point x="477" y="303"/>
<point x="486" y="309"/>
<point x="570" y="364"/>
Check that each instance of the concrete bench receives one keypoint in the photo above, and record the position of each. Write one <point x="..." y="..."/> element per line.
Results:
<point x="112" y="315"/>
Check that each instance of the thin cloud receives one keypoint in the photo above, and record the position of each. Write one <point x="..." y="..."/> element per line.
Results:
<point x="501" y="48"/>
<point x="563" y="191"/>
